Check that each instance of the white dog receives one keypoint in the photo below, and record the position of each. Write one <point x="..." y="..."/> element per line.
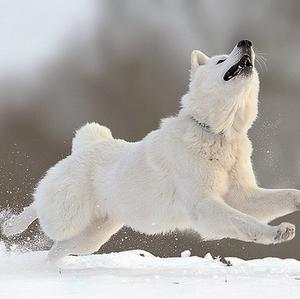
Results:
<point x="194" y="172"/>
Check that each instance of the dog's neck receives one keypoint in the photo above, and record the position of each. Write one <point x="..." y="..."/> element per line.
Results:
<point x="231" y="118"/>
<point x="204" y="126"/>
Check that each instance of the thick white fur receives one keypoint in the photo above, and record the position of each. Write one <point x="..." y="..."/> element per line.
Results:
<point x="179" y="176"/>
<point x="90" y="133"/>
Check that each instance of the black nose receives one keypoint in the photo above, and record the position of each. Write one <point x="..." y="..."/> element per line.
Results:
<point x="244" y="43"/>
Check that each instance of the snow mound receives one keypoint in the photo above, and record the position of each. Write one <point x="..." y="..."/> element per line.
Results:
<point x="139" y="274"/>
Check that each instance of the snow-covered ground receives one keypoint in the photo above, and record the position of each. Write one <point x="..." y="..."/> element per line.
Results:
<point x="130" y="275"/>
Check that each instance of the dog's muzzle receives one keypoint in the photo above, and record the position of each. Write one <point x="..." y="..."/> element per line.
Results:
<point x="245" y="65"/>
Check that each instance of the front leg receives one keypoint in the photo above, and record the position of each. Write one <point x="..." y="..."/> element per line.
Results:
<point x="266" y="204"/>
<point x="214" y="219"/>
<point x="263" y="204"/>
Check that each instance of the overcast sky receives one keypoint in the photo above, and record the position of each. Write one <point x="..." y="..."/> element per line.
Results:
<point x="31" y="30"/>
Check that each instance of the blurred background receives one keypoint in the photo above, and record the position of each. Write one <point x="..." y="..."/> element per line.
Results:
<point x="125" y="64"/>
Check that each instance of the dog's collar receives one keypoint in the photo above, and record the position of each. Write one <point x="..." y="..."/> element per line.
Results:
<point x="205" y="127"/>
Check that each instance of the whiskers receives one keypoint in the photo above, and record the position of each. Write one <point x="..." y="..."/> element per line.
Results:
<point x="261" y="60"/>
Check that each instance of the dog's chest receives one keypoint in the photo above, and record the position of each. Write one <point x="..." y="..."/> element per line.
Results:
<point x="212" y="164"/>
<point x="219" y="154"/>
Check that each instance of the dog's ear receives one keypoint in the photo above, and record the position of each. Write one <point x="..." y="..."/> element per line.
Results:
<point x="197" y="58"/>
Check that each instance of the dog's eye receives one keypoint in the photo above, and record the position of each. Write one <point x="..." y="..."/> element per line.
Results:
<point x="220" y="61"/>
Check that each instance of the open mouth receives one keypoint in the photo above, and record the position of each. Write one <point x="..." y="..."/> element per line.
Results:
<point x="244" y="66"/>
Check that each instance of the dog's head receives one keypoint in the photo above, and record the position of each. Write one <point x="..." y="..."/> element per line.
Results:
<point x="222" y="86"/>
<point x="224" y="70"/>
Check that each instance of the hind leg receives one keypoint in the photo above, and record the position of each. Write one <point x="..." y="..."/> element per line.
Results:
<point x="18" y="223"/>
<point x="87" y="242"/>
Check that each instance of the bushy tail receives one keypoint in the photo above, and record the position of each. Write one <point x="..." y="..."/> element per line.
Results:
<point x="89" y="133"/>
<point x="16" y="224"/>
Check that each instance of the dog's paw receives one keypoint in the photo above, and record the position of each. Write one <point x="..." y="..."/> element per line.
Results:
<point x="285" y="232"/>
